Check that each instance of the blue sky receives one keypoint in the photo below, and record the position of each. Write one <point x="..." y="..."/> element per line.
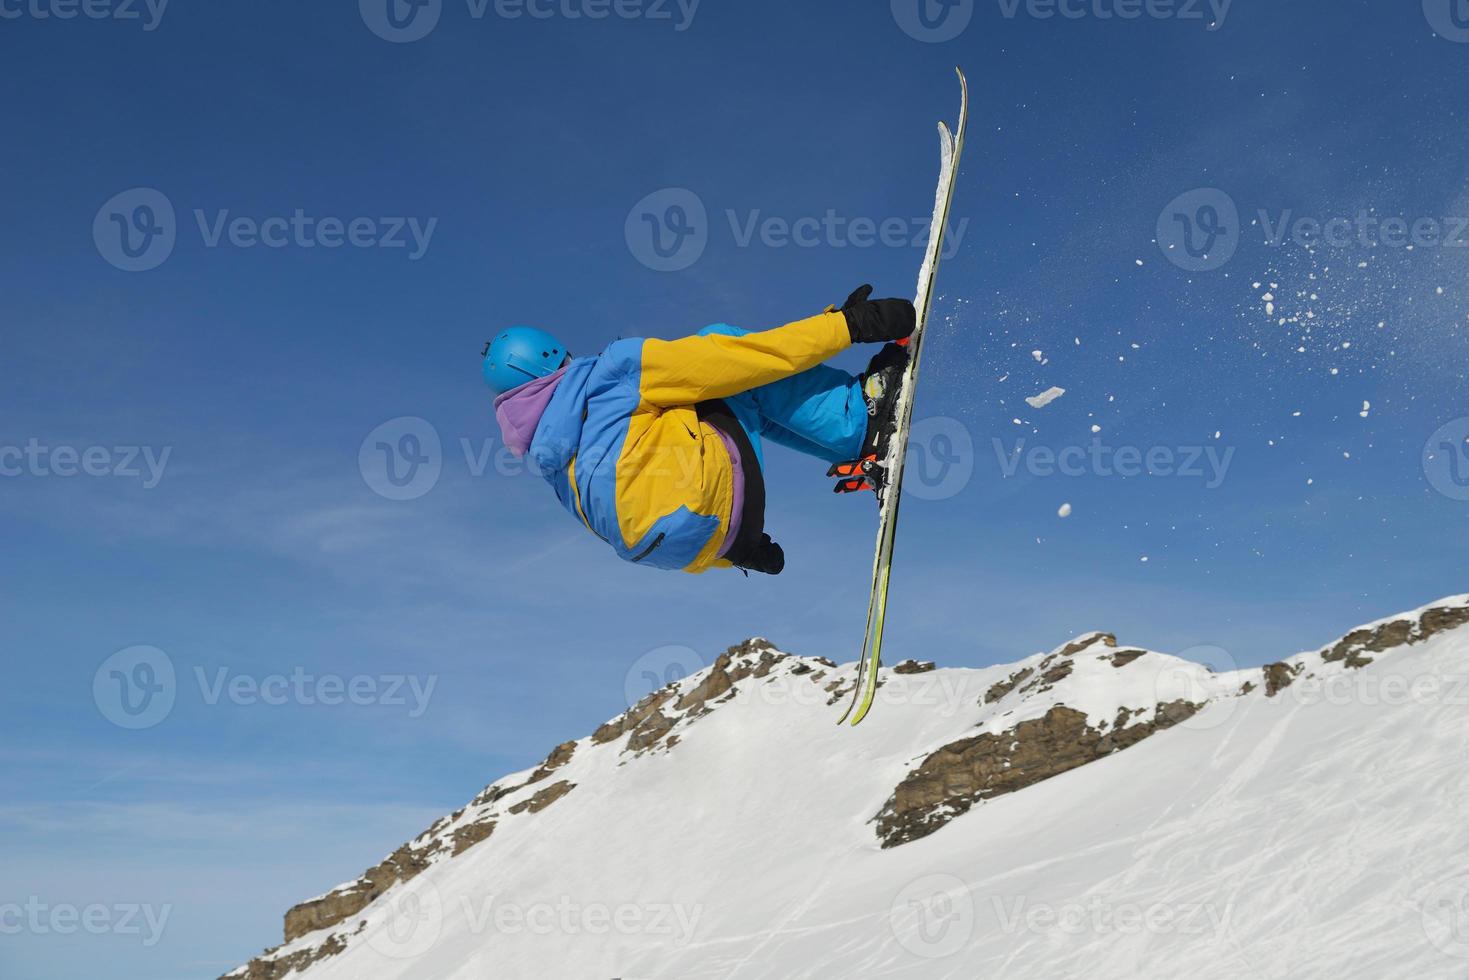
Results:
<point x="230" y="389"/>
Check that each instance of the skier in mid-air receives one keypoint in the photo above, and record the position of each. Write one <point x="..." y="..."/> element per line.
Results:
<point x="655" y="445"/>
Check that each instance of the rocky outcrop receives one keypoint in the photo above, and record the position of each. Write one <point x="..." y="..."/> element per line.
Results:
<point x="1053" y="713"/>
<point x="404" y="864"/>
<point x="544" y="798"/>
<point x="909" y="667"/>
<point x="956" y="777"/>
<point x="277" y="968"/>
<point x="1355" y="650"/>
<point x="1280" y="676"/>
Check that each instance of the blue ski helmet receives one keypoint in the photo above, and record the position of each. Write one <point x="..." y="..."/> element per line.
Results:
<point x="521" y="354"/>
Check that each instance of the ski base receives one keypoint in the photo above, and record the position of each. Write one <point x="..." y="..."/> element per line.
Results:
<point x="890" y="487"/>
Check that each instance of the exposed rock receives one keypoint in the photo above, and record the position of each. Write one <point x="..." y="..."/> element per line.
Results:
<point x="950" y="781"/>
<point x="544" y="798"/>
<point x="1352" y="649"/>
<point x="629" y="720"/>
<point x="1081" y="643"/>
<point x="404" y="864"/>
<point x="1052" y="674"/>
<point x="1124" y="657"/>
<point x="559" y="757"/>
<point x="998" y="691"/>
<point x="471" y="834"/>
<point x="915" y="667"/>
<point x="1278" y="677"/>
<point x="262" y="968"/>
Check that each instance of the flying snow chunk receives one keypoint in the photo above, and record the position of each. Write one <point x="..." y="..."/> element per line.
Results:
<point x="1366" y="409"/>
<point x="1045" y="398"/>
<point x="1038" y="355"/>
<point x="1065" y="511"/>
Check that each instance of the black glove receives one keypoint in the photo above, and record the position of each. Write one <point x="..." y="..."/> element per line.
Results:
<point x="878" y="321"/>
<point x="767" y="558"/>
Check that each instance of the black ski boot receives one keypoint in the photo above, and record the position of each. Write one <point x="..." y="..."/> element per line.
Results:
<point x="881" y="384"/>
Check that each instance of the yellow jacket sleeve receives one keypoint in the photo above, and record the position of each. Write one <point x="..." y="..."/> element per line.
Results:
<point x="691" y="370"/>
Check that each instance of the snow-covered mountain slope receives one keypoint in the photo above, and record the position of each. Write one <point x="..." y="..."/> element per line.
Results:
<point x="1097" y="811"/>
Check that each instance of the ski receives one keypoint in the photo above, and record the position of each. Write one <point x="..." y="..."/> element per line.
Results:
<point x="890" y="488"/>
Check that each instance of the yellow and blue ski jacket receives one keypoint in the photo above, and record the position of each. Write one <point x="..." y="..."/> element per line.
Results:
<point x="619" y="439"/>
